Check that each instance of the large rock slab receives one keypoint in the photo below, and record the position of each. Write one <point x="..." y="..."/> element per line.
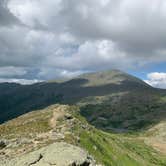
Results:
<point x="59" y="154"/>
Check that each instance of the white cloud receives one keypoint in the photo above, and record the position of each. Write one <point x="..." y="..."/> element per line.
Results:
<point x="91" y="55"/>
<point x="38" y="12"/>
<point x="20" y="81"/>
<point x="51" y="73"/>
<point x="157" y="79"/>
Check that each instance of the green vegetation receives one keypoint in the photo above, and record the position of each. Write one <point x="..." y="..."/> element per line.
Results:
<point x="118" y="149"/>
<point x="109" y="149"/>
<point x="27" y="125"/>
<point x="163" y="99"/>
<point x="130" y="111"/>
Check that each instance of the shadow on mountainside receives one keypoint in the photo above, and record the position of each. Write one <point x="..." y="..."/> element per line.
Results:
<point x="131" y="112"/>
<point x="16" y="100"/>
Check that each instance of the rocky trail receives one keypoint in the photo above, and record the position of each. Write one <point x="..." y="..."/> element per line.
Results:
<point x="54" y="149"/>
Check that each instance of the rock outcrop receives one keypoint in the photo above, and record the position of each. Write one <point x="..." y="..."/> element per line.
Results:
<point x="2" y="144"/>
<point x="59" y="154"/>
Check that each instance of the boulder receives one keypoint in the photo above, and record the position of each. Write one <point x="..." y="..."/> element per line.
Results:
<point x="2" y="144"/>
<point x="68" y="116"/>
<point x="59" y="154"/>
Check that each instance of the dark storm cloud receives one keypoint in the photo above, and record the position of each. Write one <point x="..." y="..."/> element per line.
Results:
<point x="6" y="17"/>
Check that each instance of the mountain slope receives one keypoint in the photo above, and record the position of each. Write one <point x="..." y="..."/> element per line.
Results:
<point x="131" y="111"/>
<point x="108" y="99"/>
<point x="62" y="123"/>
<point x="110" y="77"/>
<point x="117" y="118"/>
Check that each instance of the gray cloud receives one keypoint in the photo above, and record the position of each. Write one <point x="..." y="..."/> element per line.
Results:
<point x="70" y="37"/>
<point x="12" y="71"/>
<point x="6" y="17"/>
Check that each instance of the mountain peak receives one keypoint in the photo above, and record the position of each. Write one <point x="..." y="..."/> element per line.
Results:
<point x="114" y="76"/>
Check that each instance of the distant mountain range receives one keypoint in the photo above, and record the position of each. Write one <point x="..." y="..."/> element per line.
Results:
<point x="108" y="99"/>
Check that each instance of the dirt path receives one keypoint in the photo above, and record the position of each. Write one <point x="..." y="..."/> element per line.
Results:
<point x="58" y="113"/>
<point x="157" y="137"/>
<point x="156" y="144"/>
<point x="159" y="146"/>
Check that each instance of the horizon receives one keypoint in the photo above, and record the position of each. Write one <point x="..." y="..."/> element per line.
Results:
<point x="31" y="82"/>
<point x="44" y="40"/>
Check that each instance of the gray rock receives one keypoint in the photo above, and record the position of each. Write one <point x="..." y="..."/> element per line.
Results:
<point x="59" y="154"/>
<point x="3" y="144"/>
<point x="68" y="116"/>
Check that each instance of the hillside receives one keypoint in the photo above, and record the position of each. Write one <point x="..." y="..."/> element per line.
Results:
<point x="109" y="100"/>
<point x="61" y="126"/>
<point x="44" y="135"/>
<point x="111" y="117"/>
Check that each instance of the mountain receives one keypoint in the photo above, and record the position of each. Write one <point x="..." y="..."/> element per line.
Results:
<point x="114" y="118"/>
<point x="110" y="77"/>
<point x="108" y="99"/>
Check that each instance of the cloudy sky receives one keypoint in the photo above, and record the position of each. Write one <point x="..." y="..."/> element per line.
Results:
<point x="47" y="39"/>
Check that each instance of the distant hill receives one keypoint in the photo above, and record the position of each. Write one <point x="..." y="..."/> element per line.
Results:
<point x="108" y="99"/>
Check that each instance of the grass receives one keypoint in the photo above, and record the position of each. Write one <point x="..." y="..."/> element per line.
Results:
<point x="163" y="99"/>
<point x="27" y="125"/>
<point x="118" y="149"/>
<point x="109" y="149"/>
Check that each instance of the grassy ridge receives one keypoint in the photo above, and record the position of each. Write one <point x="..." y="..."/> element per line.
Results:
<point x="108" y="149"/>
<point x="27" y="125"/>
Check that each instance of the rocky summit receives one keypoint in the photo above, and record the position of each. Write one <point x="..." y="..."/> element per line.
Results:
<point x="59" y="154"/>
